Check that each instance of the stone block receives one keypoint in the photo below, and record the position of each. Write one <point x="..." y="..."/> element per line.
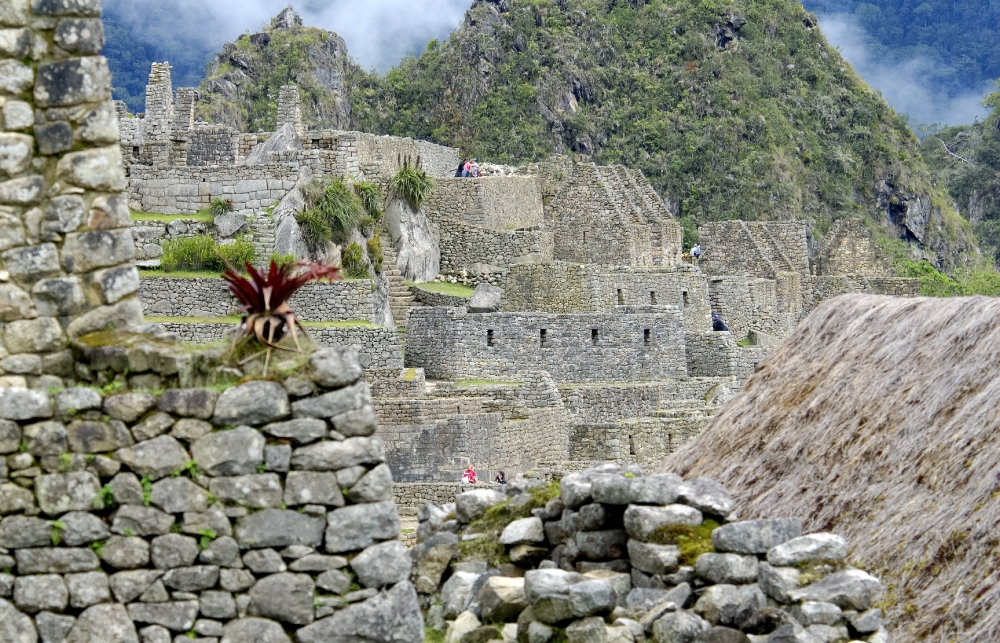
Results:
<point x="357" y="526"/>
<point x="60" y="296"/>
<point x="54" y="137"/>
<point x="279" y="528"/>
<point x="80" y="35"/>
<point x="70" y="82"/>
<point x="86" y="251"/>
<point x="15" y="149"/>
<point x="312" y="487"/>
<point x="31" y="263"/>
<point x="56" y="561"/>
<point x="225" y="453"/>
<point x="60" y="493"/>
<point x="15" y="77"/>
<point x="117" y="283"/>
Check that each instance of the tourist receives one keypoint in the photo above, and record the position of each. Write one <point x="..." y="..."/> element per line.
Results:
<point x="474" y="170"/>
<point x="469" y="475"/>
<point x="461" y="168"/>
<point x="501" y="478"/>
<point x="696" y="252"/>
<point x="717" y="324"/>
<point x="467" y="169"/>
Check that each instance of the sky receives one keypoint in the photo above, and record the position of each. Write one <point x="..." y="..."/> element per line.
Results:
<point x="379" y="33"/>
<point x="906" y="85"/>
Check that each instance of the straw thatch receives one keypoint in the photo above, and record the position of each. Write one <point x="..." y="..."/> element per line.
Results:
<point x="879" y="420"/>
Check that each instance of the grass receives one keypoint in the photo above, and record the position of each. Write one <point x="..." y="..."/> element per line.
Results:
<point x="180" y="274"/>
<point x="468" y="383"/>
<point x="745" y="342"/>
<point x="202" y="216"/>
<point x="445" y="288"/>
<point x="351" y="323"/>
<point x="692" y="541"/>
<point x="433" y="636"/>
<point x="492" y="523"/>
<point x="410" y="375"/>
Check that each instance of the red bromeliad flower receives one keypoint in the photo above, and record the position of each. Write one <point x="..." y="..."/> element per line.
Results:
<point x="264" y="301"/>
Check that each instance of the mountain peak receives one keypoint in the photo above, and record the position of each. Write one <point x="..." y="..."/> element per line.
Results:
<point x="287" y="19"/>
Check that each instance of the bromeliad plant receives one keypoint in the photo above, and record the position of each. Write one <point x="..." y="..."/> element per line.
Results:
<point x="267" y="318"/>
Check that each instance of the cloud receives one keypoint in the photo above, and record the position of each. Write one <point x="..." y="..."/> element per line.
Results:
<point x="379" y="33"/>
<point x="909" y="85"/>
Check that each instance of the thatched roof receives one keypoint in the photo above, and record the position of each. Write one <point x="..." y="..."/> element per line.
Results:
<point x="879" y="419"/>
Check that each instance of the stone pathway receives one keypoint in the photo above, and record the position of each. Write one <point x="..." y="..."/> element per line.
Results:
<point x="400" y="297"/>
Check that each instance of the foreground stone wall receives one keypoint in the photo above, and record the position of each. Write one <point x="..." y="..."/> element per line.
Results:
<point x="255" y="514"/>
<point x="208" y="297"/>
<point x="643" y="345"/>
<point x="379" y="346"/>
<point x="65" y="249"/>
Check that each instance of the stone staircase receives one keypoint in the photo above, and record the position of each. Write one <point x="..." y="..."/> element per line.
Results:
<point x="400" y="297"/>
<point x="262" y="231"/>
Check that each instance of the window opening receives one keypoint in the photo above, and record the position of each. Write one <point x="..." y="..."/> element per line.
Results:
<point x="621" y="297"/>
<point x="631" y="446"/>
<point x="585" y="236"/>
<point x="594" y="336"/>
<point x="490" y="339"/>
<point x="646" y="334"/>
<point x="543" y="336"/>
<point x="652" y="298"/>
<point x="687" y="300"/>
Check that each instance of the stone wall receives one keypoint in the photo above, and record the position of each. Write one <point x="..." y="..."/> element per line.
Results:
<point x="640" y="345"/>
<point x="754" y="248"/>
<point x="428" y="298"/>
<point x="564" y="287"/>
<point x="602" y="404"/>
<point x="65" y="249"/>
<point x="186" y="190"/>
<point x="827" y="287"/>
<point x="418" y="494"/>
<point x="493" y="203"/>
<point x="210" y="145"/>
<point x="849" y="249"/>
<point x="379" y="346"/>
<point x="136" y="515"/>
<point x="471" y="248"/>
<point x="642" y="441"/>
<point x="380" y="157"/>
<point x="207" y="297"/>
<point x="711" y="354"/>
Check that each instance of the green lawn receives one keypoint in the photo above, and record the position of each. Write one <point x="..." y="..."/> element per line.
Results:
<point x="468" y="383"/>
<point x="182" y="275"/>
<point x="202" y="216"/>
<point x="351" y="323"/>
<point x="444" y="288"/>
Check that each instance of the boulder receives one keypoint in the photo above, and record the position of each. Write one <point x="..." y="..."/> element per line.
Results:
<point x="851" y="589"/>
<point x="730" y="604"/>
<point x="54" y="627"/>
<point x="130" y="585"/>
<point x="383" y="564"/>
<point x="336" y="366"/>
<point x="284" y="597"/>
<point x="82" y="528"/>
<point x="778" y="582"/>
<point x="254" y="403"/>
<point x="259" y="490"/>
<point x="485" y="299"/>
<point x="173" y="550"/>
<point x="229" y="453"/>
<point x="107" y="623"/>
<point x="431" y="559"/>
<point x="602" y="545"/>
<point x="178" y="616"/>
<point x="813" y="547"/>
<point x="285" y="139"/>
<point x="501" y="598"/>
<point x="299" y="431"/>
<point x="313" y="487"/>
<point x="472" y="504"/>
<point x="523" y="531"/>
<point x="279" y="528"/>
<point x="867" y="622"/>
<point x="679" y="627"/>
<point x="192" y="579"/>
<point x="455" y="593"/>
<point x="727" y="568"/>
<point x="417" y="241"/>
<point x="357" y="526"/>
<point x="706" y="495"/>
<point x="719" y="634"/>
<point x="33" y="594"/>
<point x="465" y="623"/>
<point x="63" y="560"/>
<point x="587" y="630"/>
<point x="254" y="630"/>
<point x="198" y="403"/>
<point x="18" y="403"/>
<point x="179" y="495"/>
<point x="641" y="521"/>
<point x="129" y="407"/>
<point x="575" y="490"/>
<point x="755" y="536"/>
<point x="653" y="559"/>
<point x="15" y="627"/>
<point x="818" y="613"/>
<point x="390" y="617"/>
<point x="613" y="489"/>
<point x="59" y="493"/>
<point x="125" y="552"/>
<point x="156" y="458"/>
<point x="592" y="597"/>
<point x="141" y="521"/>
<point x="334" y="456"/>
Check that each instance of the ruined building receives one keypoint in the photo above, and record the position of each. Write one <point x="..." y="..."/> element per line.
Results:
<point x="601" y="343"/>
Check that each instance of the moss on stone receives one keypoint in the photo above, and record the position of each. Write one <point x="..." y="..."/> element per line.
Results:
<point x="692" y="541"/>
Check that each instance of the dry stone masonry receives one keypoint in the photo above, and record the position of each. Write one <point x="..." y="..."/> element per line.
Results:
<point x="612" y="556"/>
<point x="262" y="513"/>
<point x="65" y="247"/>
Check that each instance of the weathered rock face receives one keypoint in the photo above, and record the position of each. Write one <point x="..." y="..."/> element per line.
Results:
<point x="621" y="557"/>
<point x="178" y="525"/>
<point x="416" y="239"/>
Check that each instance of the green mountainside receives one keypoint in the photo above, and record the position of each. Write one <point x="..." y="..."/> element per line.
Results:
<point x="966" y="159"/>
<point x="732" y="109"/>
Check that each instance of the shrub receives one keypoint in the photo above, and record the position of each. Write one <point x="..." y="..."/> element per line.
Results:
<point x="314" y="228"/>
<point x="353" y="262"/>
<point x="411" y="185"/>
<point x="371" y="198"/>
<point x="332" y="212"/>
<point x="221" y="206"/>
<point x="200" y="253"/>
<point x="282" y="260"/>
<point x="375" y="252"/>
<point x="367" y="225"/>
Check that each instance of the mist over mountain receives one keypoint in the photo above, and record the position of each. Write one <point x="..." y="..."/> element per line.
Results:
<point x="932" y="60"/>
<point x="188" y="33"/>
